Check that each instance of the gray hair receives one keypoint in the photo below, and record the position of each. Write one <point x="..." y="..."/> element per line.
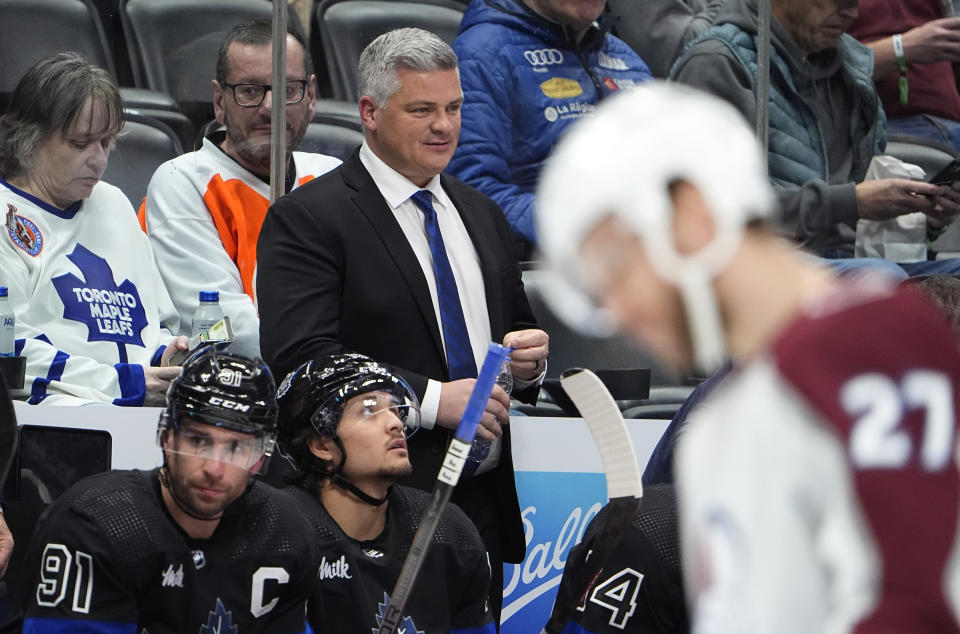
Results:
<point x="413" y="49"/>
<point x="48" y="99"/>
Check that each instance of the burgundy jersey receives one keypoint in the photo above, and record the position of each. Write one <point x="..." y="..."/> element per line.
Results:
<point x="820" y="488"/>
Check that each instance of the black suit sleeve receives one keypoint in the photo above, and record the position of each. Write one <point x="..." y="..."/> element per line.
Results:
<point x="300" y="289"/>
<point x="296" y="280"/>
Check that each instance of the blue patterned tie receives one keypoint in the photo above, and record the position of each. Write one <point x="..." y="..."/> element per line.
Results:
<point x="460" y="361"/>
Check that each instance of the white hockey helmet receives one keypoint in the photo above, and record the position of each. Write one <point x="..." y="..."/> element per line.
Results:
<point x="621" y="162"/>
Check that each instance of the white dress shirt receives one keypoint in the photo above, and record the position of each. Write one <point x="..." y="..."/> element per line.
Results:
<point x="396" y="190"/>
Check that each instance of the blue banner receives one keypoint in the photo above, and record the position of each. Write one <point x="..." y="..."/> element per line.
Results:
<point x="556" y="509"/>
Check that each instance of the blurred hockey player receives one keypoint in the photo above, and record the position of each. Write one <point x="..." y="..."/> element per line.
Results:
<point x="818" y="485"/>
<point x="194" y="546"/>
<point x="344" y="420"/>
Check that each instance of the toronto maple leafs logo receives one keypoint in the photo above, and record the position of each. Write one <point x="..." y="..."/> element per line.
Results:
<point x="219" y="621"/>
<point x="110" y="312"/>
<point x="406" y="626"/>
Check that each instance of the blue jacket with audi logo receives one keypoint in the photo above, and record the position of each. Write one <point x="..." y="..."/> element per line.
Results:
<point x="525" y="79"/>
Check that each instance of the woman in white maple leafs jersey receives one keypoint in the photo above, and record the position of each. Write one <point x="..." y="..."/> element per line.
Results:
<point x="93" y="317"/>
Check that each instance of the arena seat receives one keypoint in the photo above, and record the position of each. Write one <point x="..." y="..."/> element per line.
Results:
<point x="642" y="383"/>
<point x="572" y="349"/>
<point x="662" y="404"/>
<point x="333" y="132"/>
<point x="337" y="112"/>
<point x="109" y="11"/>
<point x="32" y="30"/>
<point x="345" y="27"/>
<point x="143" y="145"/>
<point x="161" y="106"/>
<point x="173" y="45"/>
<point x="926" y="153"/>
<point x="334" y="139"/>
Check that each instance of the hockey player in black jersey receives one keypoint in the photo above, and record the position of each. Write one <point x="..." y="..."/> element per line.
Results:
<point x="194" y="546"/>
<point x="343" y="422"/>
<point x="640" y="589"/>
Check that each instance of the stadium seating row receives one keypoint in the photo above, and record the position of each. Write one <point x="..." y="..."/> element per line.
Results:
<point x="163" y="54"/>
<point x="167" y="48"/>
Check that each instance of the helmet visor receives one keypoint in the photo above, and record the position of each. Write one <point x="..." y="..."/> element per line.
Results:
<point x="368" y="405"/>
<point x="210" y="442"/>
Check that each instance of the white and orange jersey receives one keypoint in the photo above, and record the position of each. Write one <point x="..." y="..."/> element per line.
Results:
<point x="203" y="213"/>
<point x="91" y="309"/>
<point x="819" y="487"/>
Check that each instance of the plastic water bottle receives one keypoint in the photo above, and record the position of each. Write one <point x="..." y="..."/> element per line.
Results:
<point x="208" y="313"/>
<point x="481" y="447"/>
<point x="7" y="323"/>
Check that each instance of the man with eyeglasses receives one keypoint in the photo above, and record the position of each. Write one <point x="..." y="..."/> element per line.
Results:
<point x="344" y="423"/>
<point x="204" y="209"/>
<point x="194" y="546"/>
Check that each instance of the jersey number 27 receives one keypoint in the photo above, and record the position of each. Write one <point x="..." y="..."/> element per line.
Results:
<point x="878" y="405"/>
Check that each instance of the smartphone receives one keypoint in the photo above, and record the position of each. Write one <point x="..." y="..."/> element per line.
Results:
<point x="949" y="174"/>
<point x="220" y="335"/>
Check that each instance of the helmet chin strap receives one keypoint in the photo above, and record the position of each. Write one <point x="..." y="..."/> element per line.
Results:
<point x="703" y="320"/>
<point x="694" y="275"/>
<point x="338" y="478"/>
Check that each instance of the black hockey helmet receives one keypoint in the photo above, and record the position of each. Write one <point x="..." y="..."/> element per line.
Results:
<point x="315" y="394"/>
<point x="224" y="390"/>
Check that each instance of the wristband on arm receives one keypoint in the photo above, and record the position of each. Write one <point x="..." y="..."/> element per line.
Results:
<point x="901" y="66"/>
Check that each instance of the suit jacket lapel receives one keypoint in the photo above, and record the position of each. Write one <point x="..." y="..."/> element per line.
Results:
<point x="371" y="203"/>
<point x="482" y="238"/>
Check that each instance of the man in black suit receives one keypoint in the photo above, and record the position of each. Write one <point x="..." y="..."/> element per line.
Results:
<point x="357" y="261"/>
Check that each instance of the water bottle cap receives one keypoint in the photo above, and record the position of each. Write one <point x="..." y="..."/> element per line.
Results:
<point x="209" y="296"/>
<point x="3" y="291"/>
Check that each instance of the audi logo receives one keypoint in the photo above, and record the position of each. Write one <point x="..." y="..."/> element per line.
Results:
<point x="544" y="57"/>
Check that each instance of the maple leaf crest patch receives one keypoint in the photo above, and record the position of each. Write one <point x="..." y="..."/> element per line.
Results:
<point x="219" y="621"/>
<point x="110" y="312"/>
<point x="406" y="626"/>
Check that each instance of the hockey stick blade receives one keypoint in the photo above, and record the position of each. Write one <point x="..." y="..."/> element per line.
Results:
<point x="624" y="489"/>
<point x="446" y="481"/>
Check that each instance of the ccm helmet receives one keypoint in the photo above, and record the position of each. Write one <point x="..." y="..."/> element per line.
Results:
<point x="223" y="390"/>
<point x="314" y="395"/>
